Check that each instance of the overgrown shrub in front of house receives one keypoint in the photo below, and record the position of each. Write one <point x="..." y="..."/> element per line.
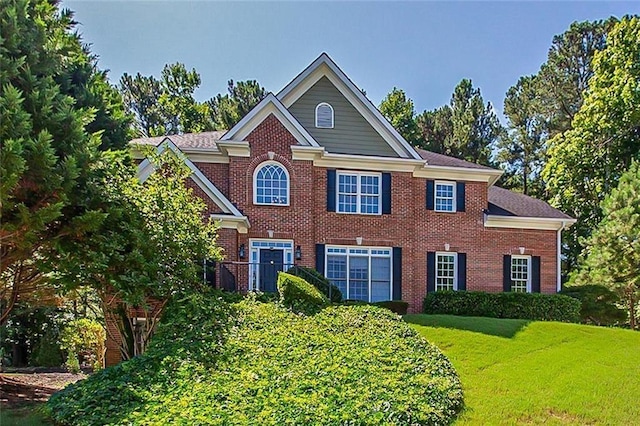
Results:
<point x="318" y="280"/>
<point x="398" y="306"/>
<point x="598" y="304"/>
<point x="212" y="362"/>
<point x="300" y="296"/>
<point x="83" y="340"/>
<point x="532" y="306"/>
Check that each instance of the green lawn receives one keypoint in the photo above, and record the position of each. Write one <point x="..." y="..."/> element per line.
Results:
<point x="26" y="415"/>
<point x="516" y="371"/>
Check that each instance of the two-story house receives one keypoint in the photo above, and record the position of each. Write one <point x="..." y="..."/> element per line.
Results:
<point x="316" y="176"/>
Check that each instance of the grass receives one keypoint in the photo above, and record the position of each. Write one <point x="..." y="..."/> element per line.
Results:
<point x="522" y="372"/>
<point x="24" y="415"/>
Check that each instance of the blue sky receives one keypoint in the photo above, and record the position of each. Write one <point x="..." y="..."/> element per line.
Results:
<point x="425" y="48"/>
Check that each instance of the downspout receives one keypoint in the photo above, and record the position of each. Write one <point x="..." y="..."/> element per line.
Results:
<point x="559" y="258"/>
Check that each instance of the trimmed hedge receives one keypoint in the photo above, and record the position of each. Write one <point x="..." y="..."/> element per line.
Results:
<point x="598" y="304"/>
<point x="398" y="306"/>
<point x="532" y="306"/>
<point x="318" y="280"/>
<point x="257" y="363"/>
<point x="300" y="296"/>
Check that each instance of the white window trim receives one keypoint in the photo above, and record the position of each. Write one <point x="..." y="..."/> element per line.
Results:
<point x="332" y="116"/>
<point x="528" y="259"/>
<point x="255" y="183"/>
<point x="455" y="269"/>
<point x="435" y="195"/>
<point x="254" y="258"/>
<point x="359" y="193"/>
<point x="369" y="256"/>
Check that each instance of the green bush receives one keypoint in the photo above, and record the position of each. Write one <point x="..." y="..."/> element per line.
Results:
<point x="598" y="304"/>
<point x="83" y="339"/>
<point x="318" y="280"/>
<point x="300" y="296"/>
<point x="398" y="306"/>
<point x="532" y="306"/>
<point x="258" y="363"/>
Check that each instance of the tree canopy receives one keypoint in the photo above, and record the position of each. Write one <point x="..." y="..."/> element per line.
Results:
<point x="57" y="111"/>
<point x="586" y="162"/>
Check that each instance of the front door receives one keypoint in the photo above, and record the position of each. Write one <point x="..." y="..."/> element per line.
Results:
<point x="271" y="262"/>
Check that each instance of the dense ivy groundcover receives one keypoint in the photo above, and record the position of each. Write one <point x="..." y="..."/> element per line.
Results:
<point x="248" y="362"/>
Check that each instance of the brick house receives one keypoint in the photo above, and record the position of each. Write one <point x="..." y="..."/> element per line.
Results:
<point x="316" y="176"/>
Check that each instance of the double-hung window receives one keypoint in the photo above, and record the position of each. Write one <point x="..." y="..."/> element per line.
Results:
<point x="521" y="274"/>
<point x="359" y="193"/>
<point x="445" y="196"/>
<point x="446" y="271"/>
<point x="361" y="273"/>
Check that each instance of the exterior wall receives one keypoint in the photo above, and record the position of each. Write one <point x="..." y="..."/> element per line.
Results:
<point x="352" y="134"/>
<point x="410" y="225"/>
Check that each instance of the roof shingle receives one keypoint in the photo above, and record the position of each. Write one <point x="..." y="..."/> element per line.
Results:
<point x="503" y="202"/>
<point x="203" y="140"/>
<point x="435" y="159"/>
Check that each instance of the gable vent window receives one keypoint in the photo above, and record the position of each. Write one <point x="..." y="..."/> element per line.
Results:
<point x="324" y="116"/>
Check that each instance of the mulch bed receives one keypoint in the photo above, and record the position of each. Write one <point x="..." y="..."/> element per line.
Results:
<point x="17" y="389"/>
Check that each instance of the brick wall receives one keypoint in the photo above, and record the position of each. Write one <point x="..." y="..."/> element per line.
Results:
<point x="410" y="225"/>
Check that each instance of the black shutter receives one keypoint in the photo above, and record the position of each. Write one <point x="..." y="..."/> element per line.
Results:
<point x="431" y="271"/>
<point x="210" y="273"/>
<point x="462" y="271"/>
<point x="386" y="193"/>
<point x="331" y="190"/>
<point x="506" y="273"/>
<point x="320" y="258"/>
<point x="430" y="194"/>
<point x="535" y="274"/>
<point x="397" y="273"/>
<point x="460" y="197"/>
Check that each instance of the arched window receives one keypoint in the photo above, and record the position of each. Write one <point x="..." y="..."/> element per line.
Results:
<point x="271" y="184"/>
<point x="324" y="116"/>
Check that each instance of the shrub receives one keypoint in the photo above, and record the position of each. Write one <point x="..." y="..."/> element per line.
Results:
<point x="83" y="339"/>
<point x="300" y="296"/>
<point x="257" y="363"/>
<point x="398" y="306"/>
<point x="532" y="306"/>
<point x="46" y="352"/>
<point x="598" y="304"/>
<point x="318" y="280"/>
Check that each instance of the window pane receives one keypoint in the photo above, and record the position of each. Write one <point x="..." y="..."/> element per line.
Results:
<point x="359" y="278"/>
<point x="272" y="185"/>
<point x="444" y="197"/>
<point x="337" y="272"/>
<point x="445" y="271"/>
<point x="380" y="279"/>
<point x="519" y="274"/>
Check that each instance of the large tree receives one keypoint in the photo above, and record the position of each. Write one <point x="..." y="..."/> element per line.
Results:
<point x="522" y="149"/>
<point x="586" y="162"/>
<point x="57" y="110"/>
<point x="149" y="246"/>
<point x="612" y="256"/>
<point x="226" y="110"/>
<point x="467" y="128"/>
<point x="166" y="106"/>
<point x="400" y="112"/>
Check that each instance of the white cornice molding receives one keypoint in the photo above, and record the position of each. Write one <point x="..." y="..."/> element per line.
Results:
<point x="418" y="168"/>
<point x="269" y="105"/>
<point x="239" y="223"/>
<point x="520" y="222"/>
<point x="232" y="148"/>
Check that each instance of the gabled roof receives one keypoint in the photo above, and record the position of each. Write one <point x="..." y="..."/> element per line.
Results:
<point x="231" y="218"/>
<point x="269" y="105"/>
<point x="503" y="202"/>
<point x="324" y="66"/>
<point x="203" y="140"/>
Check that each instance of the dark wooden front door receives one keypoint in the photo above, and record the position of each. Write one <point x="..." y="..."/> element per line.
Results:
<point x="271" y="262"/>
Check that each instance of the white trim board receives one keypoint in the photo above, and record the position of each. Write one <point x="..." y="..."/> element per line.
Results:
<point x="146" y="167"/>
<point x="324" y="66"/>
<point x="520" y="222"/>
<point x="269" y="105"/>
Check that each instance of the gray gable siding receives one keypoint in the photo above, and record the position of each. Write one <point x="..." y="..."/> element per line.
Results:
<point x="351" y="134"/>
